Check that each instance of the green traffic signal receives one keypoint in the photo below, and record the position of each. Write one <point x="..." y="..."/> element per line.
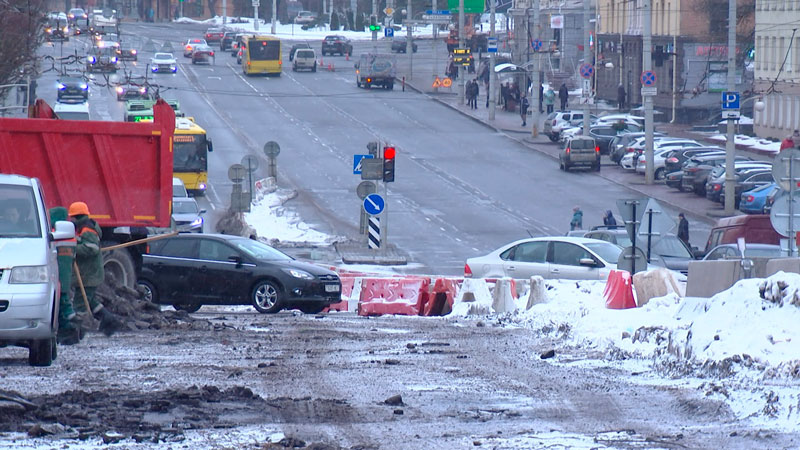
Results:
<point x="374" y="28"/>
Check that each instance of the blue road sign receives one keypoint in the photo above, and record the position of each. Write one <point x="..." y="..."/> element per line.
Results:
<point x="443" y="12"/>
<point x="730" y="100"/>
<point x="587" y="70"/>
<point x="388" y="32"/>
<point x="648" y="78"/>
<point x="357" y="163"/>
<point x="536" y="44"/>
<point x="373" y="204"/>
<point x="491" y="45"/>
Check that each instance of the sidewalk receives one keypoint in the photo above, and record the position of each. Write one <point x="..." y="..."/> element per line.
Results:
<point x="510" y="124"/>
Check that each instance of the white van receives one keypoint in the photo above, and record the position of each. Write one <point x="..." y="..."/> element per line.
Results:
<point x="305" y="59"/>
<point x="29" y="287"/>
<point x="72" y="111"/>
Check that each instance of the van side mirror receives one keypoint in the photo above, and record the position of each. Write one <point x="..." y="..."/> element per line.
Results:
<point x="210" y="145"/>
<point x="64" y="230"/>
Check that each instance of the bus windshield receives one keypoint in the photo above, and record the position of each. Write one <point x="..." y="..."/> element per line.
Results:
<point x="190" y="153"/>
<point x="264" y="50"/>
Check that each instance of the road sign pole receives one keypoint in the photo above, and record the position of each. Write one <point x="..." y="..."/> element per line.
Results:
<point x="647" y="64"/>
<point x="537" y="83"/>
<point x="461" y="44"/>
<point x="410" y="42"/>
<point x="255" y="16"/>
<point x="730" y="144"/>
<point x="274" y="14"/>
<point x="492" y="73"/>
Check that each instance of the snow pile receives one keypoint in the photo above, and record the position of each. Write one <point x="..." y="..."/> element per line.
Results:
<point x="276" y="223"/>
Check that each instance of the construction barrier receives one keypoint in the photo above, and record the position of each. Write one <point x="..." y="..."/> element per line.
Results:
<point x="619" y="290"/>
<point x="347" y="291"/>
<point x="405" y="296"/>
<point x="503" y="296"/>
<point x="654" y="283"/>
<point x="440" y="303"/>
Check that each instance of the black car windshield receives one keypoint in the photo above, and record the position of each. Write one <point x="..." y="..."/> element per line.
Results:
<point x="189" y="152"/>
<point x="264" y="50"/>
<point x="260" y="251"/>
<point x="18" y="213"/>
<point x="606" y="250"/>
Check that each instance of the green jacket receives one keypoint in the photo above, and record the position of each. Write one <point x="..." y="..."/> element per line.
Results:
<point x="66" y="251"/>
<point x="549" y="97"/>
<point x="87" y="253"/>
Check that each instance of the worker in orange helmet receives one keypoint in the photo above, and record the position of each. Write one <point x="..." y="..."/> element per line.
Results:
<point x="90" y="266"/>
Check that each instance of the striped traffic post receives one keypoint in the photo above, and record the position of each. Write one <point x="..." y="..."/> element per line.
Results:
<point x="374" y="235"/>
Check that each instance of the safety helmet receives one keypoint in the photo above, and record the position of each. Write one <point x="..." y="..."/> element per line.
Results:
<point x="78" y="209"/>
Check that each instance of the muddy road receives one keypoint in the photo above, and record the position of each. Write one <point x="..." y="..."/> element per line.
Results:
<point x="233" y="378"/>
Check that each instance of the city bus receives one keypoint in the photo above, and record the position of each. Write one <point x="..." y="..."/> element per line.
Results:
<point x="261" y="54"/>
<point x="190" y="155"/>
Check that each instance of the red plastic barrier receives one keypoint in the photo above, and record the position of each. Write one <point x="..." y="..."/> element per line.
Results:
<point x="619" y="290"/>
<point x="404" y="296"/>
<point x="347" y="291"/>
<point x="441" y="301"/>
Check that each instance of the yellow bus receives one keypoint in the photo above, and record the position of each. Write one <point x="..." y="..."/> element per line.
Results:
<point x="190" y="155"/>
<point x="261" y="54"/>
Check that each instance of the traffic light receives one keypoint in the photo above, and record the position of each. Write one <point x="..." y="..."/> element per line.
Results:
<point x="388" y="164"/>
<point x="373" y="148"/>
<point x="373" y="23"/>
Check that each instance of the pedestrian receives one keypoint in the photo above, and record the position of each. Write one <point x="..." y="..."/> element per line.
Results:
<point x="563" y="95"/>
<point x="549" y="99"/>
<point x="469" y="92"/>
<point x="504" y="95"/>
<point x="683" y="229"/>
<point x="577" y="219"/>
<point x="609" y="220"/>
<point x="68" y="331"/>
<point x="89" y="260"/>
<point x="475" y="92"/>
<point x="621" y="96"/>
<point x="487" y="95"/>
<point x="541" y="98"/>
<point x="523" y="109"/>
<point x="791" y="141"/>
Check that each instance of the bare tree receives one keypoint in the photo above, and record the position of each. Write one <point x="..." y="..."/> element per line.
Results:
<point x="20" y="37"/>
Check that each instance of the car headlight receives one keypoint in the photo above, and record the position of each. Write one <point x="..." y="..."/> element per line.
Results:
<point x="142" y="90"/>
<point x="113" y="59"/>
<point x="197" y="222"/>
<point x="302" y="274"/>
<point x="84" y="86"/>
<point x="61" y="86"/>
<point x="92" y="59"/>
<point x="120" y="89"/>
<point x="154" y="69"/>
<point x="28" y="275"/>
<point x="133" y="52"/>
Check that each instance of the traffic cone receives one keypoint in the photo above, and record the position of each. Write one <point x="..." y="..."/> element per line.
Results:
<point x="330" y="67"/>
<point x="347" y="56"/>
<point x="619" y="290"/>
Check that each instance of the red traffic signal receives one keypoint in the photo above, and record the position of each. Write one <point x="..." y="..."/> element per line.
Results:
<point x="388" y="153"/>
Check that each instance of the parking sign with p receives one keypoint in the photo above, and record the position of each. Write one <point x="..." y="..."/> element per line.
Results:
<point x="730" y="100"/>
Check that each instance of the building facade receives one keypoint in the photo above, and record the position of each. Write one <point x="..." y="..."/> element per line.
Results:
<point x="777" y="67"/>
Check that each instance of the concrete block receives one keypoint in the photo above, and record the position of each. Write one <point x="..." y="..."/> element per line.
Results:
<point x="537" y="292"/>
<point x="654" y="283"/>
<point x="502" y="297"/>
<point x="708" y="278"/>
<point x="788" y="265"/>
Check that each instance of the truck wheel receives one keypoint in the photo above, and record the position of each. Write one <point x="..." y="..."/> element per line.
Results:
<point x="118" y="264"/>
<point x="41" y="352"/>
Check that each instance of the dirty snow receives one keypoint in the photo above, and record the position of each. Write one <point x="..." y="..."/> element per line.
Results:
<point x="273" y="221"/>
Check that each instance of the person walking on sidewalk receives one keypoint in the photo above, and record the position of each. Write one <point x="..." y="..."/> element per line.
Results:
<point x="549" y="99"/>
<point x="563" y="95"/>
<point x="476" y="90"/>
<point x="609" y="220"/>
<point x="541" y="98"/>
<point x="621" y="97"/>
<point x="577" y="219"/>
<point x="523" y="109"/>
<point x="683" y="229"/>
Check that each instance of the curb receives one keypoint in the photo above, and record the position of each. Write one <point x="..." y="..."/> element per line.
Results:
<point x="532" y="145"/>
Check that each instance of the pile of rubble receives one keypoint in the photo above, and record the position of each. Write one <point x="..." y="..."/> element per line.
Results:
<point x="779" y="292"/>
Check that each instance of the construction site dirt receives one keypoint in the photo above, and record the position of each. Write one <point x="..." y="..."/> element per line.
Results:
<point x="228" y="377"/>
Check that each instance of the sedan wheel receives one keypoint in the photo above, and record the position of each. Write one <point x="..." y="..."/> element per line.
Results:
<point x="148" y="291"/>
<point x="266" y="297"/>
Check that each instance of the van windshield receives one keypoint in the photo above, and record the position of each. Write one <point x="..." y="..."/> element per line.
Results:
<point x="18" y="214"/>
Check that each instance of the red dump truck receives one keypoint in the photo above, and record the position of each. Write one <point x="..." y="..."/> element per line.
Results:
<point x="122" y="170"/>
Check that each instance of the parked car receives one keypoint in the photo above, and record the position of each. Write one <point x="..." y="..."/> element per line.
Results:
<point x="29" y="286"/>
<point x="697" y="169"/>
<point x="214" y="35"/>
<point x="731" y="251"/>
<point x="296" y="47"/>
<point x="622" y="144"/>
<point x="73" y="89"/>
<point x="191" y="270"/>
<point x="179" y="188"/>
<point x="609" y="119"/>
<point x="666" y="251"/>
<point x="190" y="44"/>
<point x="661" y="148"/>
<point x="187" y="214"/>
<point x="755" y="229"/>
<point x="163" y="63"/>
<point x="604" y="134"/>
<point x="549" y="257"/>
<point x="755" y="201"/>
<point x="746" y="181"/>
<point x="202" y="54"/>
<point x="716" y="179"/>
<point x="305" y="59"/>
<point x="305" y="17"/>
<point x="678" y="157"/>
<point x="579" y="152"/>
<point x="400" y="43"/>
<point x="560" y="120"/>
<point x="337" y="44"/>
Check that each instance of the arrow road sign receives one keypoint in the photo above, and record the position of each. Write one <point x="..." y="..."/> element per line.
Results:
<point x="374" y="204"/>
<point x="648" y="78"/>
<point x="357" y="163"/>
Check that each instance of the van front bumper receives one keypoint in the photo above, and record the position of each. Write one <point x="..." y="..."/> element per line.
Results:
<point x="28" y="314"/>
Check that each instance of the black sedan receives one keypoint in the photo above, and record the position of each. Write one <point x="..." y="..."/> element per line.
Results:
<point x="132" y="91"/>
<point x="400" y="44"/>
<point x="191" y="270"/>
<point x="73" y="89"/>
